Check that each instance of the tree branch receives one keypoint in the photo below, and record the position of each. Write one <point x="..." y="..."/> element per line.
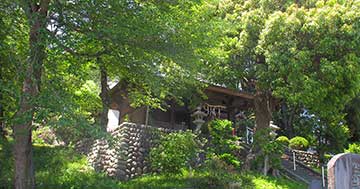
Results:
<point x="74" y="52"/>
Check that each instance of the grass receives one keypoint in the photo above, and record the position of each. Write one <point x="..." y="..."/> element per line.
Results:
<point x="262" y="182"/>
<point x="62" y="167"/>
<point x="200" y="180"/>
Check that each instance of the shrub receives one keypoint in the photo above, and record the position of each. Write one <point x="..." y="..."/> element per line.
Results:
<point x="218" y="174"/>
<point x="222" y="142"/>
<point x="354" y="148"/>
<point x="269" y="147"/>
<point x="298" y="143"/>
<point x="174" y="152"/>
<point x="283" y="140"/>
<point x="230" y="159"/>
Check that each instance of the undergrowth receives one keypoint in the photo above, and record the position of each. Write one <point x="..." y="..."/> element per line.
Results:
<point x="62" y="167"/>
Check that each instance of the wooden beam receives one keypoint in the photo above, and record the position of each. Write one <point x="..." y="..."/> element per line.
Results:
<point x="230" y="92"/>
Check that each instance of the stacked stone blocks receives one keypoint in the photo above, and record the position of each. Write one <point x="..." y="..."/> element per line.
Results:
<point x="124" y="155"/>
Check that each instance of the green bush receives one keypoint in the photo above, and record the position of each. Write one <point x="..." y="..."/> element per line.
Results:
<point x="230" y="159"/>
<point x="218" y="174"/>
<point x="222" y="142"/>
<point x="298" y="143"/>
<point x="283" y="140"/>
<point x="174" y="152"/>
<point x="269" y="147"/>
<point x="354" y="148"/>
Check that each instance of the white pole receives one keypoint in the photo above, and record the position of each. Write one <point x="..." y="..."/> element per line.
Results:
<point x="323" y="175"/>
<point x="247" y="135"/>
<point x="294" y="161"/>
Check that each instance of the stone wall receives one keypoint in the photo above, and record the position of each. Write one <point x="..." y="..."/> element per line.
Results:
<point x="308" y="158"/>
<point x="124" y="154"/>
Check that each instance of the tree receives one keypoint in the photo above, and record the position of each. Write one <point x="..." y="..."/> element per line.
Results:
<point x="151" y="46"/>
<point x="303" y="52"/>
<point x="11" y="38"/>
<point x="36" y="14"/>
<point x="352" y="118"/>
<point x="136" y="41"/>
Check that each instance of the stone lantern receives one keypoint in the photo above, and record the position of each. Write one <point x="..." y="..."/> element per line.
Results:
<point x="273" y="128"/>
<point x="198" y="116"/>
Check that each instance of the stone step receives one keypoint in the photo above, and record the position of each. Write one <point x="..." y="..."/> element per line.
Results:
<point x="302" y="173"/>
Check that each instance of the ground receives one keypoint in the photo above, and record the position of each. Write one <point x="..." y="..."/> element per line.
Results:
<point x="62" y="167"/>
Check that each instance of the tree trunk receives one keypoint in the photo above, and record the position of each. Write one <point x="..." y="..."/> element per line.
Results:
<point x="287" y="117"/>
<point x="262" y="110"/>
<point x="2" y="121"/>
<point x="24" y="169"/>
<point x="262" y="105"/>
<point x="104" y="95"/>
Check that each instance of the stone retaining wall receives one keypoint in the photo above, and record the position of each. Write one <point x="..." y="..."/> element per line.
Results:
<point x="308" y="158"/>
<point x="124" y="155"/>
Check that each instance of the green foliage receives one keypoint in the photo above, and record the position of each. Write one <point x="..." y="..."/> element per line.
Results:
<point x="352" y="118"/>
<point x="222" y="142"/>
<point x="56" y="167"/>
<point x="174" y="152"/>
<point x="312" y="54"/>
<point x="305" y="52"/>
<point x="261" y="182"/>
<point x="61" y="167"/>
<point x="298" y="143"/>
<point x="43" y="135"/>
<point x="206" y="179"/>
<point x="335" y="137"/>
<point x="222" y="139"/>
<point x="230" y="159"/>
<point x="218" y="173"/>
<point x="327" y="157"/>
<point x="268" y="147"/>
<point x="354" y="148"/>
<point x="283" y="140"/>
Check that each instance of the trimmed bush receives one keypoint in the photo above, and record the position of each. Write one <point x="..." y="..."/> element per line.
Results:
<point x="299" y="143"/>
<point x="174" y="152"/>
<point x="354" y="148"/>
<point x="283" y="140"/>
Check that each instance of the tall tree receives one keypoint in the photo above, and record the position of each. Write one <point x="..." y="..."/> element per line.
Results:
<point x="36" y="14"/>
<point x="304" y="52"/>
<point x="150" y="45"/>
<point x="147" y="43"/>
<point x="353" y="119"/>
<point x="11" y="61"/>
